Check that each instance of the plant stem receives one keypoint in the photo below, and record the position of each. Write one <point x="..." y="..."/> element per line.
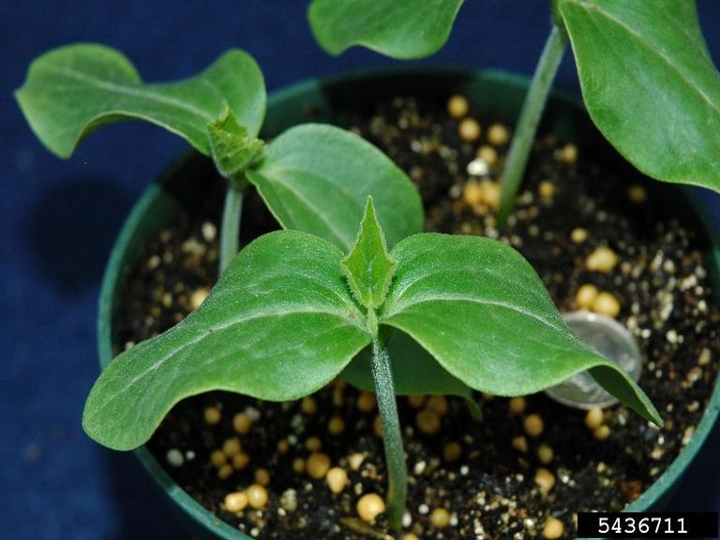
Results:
<point x="392" y="436"/>
<point x="529" y="120"/>
<point x="230" y="231"/>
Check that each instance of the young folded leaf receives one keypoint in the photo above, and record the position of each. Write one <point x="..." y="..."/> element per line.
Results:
<point x="232" y="149"/>
<point x="73" y="90"/>
<point x="368" y="267"/>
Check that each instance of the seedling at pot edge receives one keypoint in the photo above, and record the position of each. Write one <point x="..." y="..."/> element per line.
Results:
<point x="291" y="312"/>
<point x="313" y="177"/>
<point x="647" y="79"/>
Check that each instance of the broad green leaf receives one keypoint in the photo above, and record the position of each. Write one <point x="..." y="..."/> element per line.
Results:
<point x="481" y="310"/>
<point x="649" y="84"/>
<point x="396" y="28"/>
<point x="369" y="268"/>
<point x="278" y="325"/>
<point x="317" y="178"/>
<point x="233" y="151"/>
<point x="71" y="91"/>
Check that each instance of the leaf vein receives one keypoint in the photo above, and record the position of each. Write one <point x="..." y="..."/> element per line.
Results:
<point x="682" y="75"/>
<point x="187" y="347"/>
<point x="129" y="91"/>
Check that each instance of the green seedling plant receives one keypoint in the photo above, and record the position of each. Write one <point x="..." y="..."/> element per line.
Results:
<point x="646" y="76"/>
<point x="312" y="177"/>
<point x="386" y="308"/>
<point x="292" y="311"/>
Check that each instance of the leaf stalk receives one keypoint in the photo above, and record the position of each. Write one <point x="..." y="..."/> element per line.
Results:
<point x="529" y="119"/>
<point x="392" y="435"/>
<point x="230" y="229"/>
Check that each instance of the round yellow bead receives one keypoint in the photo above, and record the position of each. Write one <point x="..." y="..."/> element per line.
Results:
<point x="317" y="465"/>
<point x="370" y="506"/>
<point x="440" y="518"/>
<point x="533" y="425"/>
<point x="469" y="130"/>
<point x="457" y="106"/>
<point x="235" y="502"/>
<point x="498" y="134"/>
<point x="337" y="479"/>
<point x="553" y="528"/>
<point x="242" y="423"/>
<point x="257" y="496"/>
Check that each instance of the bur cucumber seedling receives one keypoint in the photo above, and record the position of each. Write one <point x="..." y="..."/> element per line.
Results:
<point x="313" y="177"/>
<point x="386" y="308"/>
<point x="291" y="312"/>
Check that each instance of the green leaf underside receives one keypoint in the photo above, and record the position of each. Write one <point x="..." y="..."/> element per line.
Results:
<point x="369" y="268"/>
<point x="73" y="90"/>
<point x="397" y="28"/>
<point x="481" y="310"/>
<point x="649" y="84"/>
<point x="279" y="325"/>
<point x="415" y="371"/>
<point x="233" y="151"/>
<point x="317" y="178"/>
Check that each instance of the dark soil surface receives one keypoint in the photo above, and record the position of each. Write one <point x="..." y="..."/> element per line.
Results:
<point x="498" y="478"/>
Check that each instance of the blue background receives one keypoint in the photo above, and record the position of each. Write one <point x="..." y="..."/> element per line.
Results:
<point x="59" y="220"/>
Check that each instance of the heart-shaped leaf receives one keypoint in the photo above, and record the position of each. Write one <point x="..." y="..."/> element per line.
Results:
<point x="71" y="91"/>
<point x="317" y="178"/>
<point x="397" y="28"/>
<point x="481" y="310"/>
<point x="649" y="84"/>
<point x="278" y="325"/>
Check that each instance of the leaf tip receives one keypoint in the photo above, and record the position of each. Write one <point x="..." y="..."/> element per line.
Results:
<point x="101" y="428"/>
<point x="369" y="267"/>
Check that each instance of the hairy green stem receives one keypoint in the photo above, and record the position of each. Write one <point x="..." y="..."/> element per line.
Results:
<point x="230" y="230"/>
<point x="392" y="436"/>
<point x="529" y="120"/>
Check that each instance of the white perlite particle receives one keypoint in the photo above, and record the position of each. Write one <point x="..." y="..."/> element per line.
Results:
<point x="174" y="457"/>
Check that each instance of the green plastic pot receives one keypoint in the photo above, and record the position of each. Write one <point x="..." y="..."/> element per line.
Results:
<point x="495" y="92"/>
